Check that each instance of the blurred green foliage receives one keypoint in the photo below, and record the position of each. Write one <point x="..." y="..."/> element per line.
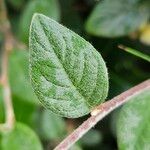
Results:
<point x="118" y="17"/>
<point x="48" y="7"/>
<point x="19" y="76"/>
<point x="95" y="21"/>
<point x="52" y="123"/>
<point x="20" y="138"/>
<point x="133" y="126"/>
<point x="91" y="138"/>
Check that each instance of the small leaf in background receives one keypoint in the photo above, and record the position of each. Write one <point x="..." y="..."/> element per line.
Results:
<point x="91" y="138"/>
<point x="52" y="127"/>
<point x="113" y="18"/>
<point x="20" y="138"/>
<point x="19" y="76"/>
<point x="145" y="34"/>
<point x="68" y="75"/>
<point x="133" y="128"/>
<point x="47" y="7"/>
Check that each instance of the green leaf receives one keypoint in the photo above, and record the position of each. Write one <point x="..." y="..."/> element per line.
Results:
<point x="133" y="129"/>
<point x="52" y="127"/>
<point x="68" y="75"/>
<point x="19" y="76"/>
<point x="20" y="138"/>
<point x="47" y="7"/>
<point x="112" y="18"/>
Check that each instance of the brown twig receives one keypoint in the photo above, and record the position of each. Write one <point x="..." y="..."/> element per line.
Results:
<point x="100" y="112"/>
<point x="7" y="47"/>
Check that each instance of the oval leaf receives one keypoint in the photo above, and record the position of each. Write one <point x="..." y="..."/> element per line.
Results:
<point x="68" y="75"/>
<point x="112" y="18"/>
<point x="133" y="129"/>
<point x="20" y="138"/>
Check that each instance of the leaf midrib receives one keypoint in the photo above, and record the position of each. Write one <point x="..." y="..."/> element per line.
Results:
<point x="88" y="105"/>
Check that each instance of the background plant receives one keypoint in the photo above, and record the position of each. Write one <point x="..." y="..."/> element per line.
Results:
<point x="47" y="130"/>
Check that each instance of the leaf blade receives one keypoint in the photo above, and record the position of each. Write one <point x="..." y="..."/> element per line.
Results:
<point x="70" y="65"/>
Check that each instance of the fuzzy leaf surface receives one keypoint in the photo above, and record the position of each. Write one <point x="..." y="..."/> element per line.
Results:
<point x="68" y="75"/>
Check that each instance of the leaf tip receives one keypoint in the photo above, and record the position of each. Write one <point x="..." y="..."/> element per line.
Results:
<point x="35" y="15"/>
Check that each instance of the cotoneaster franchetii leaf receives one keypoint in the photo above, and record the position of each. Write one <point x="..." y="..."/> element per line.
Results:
<point x="68" y="75"/>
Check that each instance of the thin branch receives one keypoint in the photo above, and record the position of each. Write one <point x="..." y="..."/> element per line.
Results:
<point x="100" y="112"/>
<point x="7" y="47"/>
<point x="135" y="52"/>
